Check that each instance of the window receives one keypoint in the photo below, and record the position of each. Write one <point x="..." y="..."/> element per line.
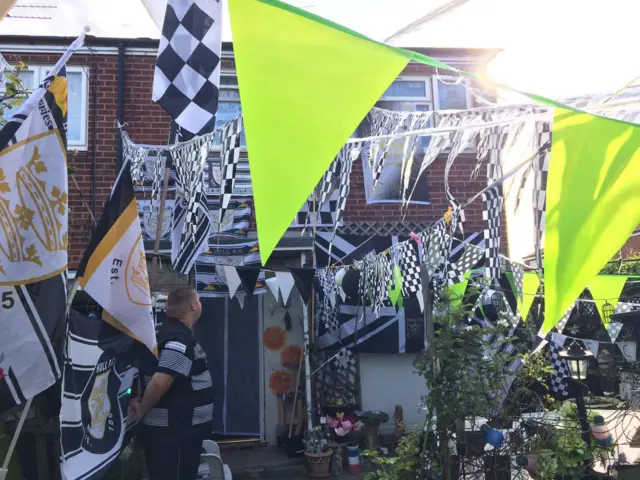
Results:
<point x="228" y="104"/>
<point x="77" y="82"/>
<point x="412" y="94"/>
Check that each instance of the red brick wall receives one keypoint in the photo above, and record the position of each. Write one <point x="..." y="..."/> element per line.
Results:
<point x="147" y="123"/>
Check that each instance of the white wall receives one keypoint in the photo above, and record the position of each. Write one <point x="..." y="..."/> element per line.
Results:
<point x="273" y="315"/>
<point x="389" y="380"/>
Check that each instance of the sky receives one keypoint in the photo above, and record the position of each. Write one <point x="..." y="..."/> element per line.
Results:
<point x="556" y="48"/>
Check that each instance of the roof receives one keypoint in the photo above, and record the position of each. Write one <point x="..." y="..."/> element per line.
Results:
<point x="67" y="18"/>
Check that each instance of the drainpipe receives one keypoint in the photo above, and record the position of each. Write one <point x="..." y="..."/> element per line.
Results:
<point x="121" y="58"/>
<point x="94" y="133"/>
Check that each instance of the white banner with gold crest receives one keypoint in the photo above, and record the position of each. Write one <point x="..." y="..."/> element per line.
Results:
<point x="114" y="267"/>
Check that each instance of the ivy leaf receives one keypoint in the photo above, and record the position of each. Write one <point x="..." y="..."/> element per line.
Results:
<point x="55" y="192"/>
<point x="4" y="187"/>
<point x="31" y="250"/>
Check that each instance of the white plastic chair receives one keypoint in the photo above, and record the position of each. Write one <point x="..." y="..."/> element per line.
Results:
<point x="211" y="466"/>
<point x="209" y="446"/>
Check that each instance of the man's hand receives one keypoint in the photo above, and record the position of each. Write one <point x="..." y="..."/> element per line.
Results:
<point x="135" y="405"/>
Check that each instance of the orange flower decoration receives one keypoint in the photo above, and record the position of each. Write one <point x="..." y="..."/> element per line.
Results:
<point x="274" y="338"/>
<point x="280" y="382"/>
<point x="290" y="356"/>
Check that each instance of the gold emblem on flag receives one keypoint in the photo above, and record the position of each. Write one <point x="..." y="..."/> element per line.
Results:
<point x="99" y="406"/>
<point x="33" y="209"/>
<point x="137" y="280"/>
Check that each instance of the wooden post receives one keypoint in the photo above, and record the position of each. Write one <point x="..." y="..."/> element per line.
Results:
<point x="427" y="297"/>
<point x="159" y="223"/>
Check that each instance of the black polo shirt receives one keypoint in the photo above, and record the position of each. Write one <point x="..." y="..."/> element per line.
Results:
<point x="186" y="410"/>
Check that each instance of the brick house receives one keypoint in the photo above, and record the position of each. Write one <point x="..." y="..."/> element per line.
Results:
<point x="111" y="79"/>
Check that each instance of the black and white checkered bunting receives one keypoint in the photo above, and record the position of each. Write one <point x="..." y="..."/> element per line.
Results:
<point x="561" y="371"/>
<point x="492" y="204"/>
<point x="229" y="157"/>
<point x="192" y="224"/>
<point x="518" y="277"/>
<point x="410" y="269"/>
<point x="346" y="156"/>
<point x="187" y="74"/>
<point x="541" y="172"/>
<point x="565" y="318"/>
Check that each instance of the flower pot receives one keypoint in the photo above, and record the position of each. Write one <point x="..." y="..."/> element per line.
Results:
<point x="318" y="463"/>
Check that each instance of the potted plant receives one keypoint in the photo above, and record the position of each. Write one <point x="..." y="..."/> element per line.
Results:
<point x="318" y="454"/>
<point x="342" y="426"/>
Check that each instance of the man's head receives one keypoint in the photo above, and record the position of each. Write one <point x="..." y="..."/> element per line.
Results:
<point x="184" y="304"/>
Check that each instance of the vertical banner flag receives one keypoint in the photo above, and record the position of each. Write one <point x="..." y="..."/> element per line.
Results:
<point x="530" y="285"/>
<point x="98" y="376"/>
<point x="187" y="74"/>
<point x="592" y="208"/>
<point x="185" y="84"/>
<point x="606" y="289"/>
<point x="113" y="270"/>
<point x="33" y="244"/>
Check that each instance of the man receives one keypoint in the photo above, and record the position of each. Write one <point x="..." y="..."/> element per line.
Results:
<point x="176" y="408"/>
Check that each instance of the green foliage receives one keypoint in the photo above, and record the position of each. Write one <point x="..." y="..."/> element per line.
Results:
<point x="467" y="369"/>
<point x="627" y="265"/>
<point x="15" y="92"/>
<point x="403" y="466"/>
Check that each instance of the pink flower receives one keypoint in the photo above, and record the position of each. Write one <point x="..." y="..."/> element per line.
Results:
<point x="346" y="424"/>
<point x="332" y="422"/>
<point x="357" y="426"/>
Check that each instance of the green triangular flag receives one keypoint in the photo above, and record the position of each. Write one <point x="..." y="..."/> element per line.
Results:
<point x="305" y="86"/>
<point x="606" y="289"/>
<point x="456" y="291"/>
<point x="395" y="291"/>
<point x="530" y="285"/>
<point x="593" y="204"/>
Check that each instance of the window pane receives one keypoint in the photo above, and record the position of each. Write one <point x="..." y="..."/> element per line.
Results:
<point x="229" y="95"/>
<point x="227" y="111"/>
<point x="28" y="80"/>
<point x="74" y="115"/>
<point x="452" y="97"/>
<point x="229" y="80"/>
<point x="404" y="88"/>
<point x="407" y="107"/>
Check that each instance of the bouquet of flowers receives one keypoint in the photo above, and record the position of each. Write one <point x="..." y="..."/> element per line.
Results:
<point x="342" y="425"/>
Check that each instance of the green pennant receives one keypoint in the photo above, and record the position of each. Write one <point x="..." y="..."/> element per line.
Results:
<point x="395" y="292"/>
<point x="606" y="289"/>
<point x="456" y="291"/>
<point x="593" y="204"/>
<point x="530" y="285"/>
<point x="304" y="88"/>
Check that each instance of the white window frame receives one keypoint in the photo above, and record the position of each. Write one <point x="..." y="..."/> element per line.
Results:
<point x="448" y="79"/>
<point x="40" y="72"/>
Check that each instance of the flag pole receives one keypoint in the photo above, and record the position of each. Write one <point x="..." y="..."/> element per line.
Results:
<point x="14" y="440"/>
<point x="159" y="223"/>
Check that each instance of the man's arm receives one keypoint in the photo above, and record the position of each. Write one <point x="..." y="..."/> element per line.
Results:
<point x="159" y="385"/>
<point x="174" y="362"/>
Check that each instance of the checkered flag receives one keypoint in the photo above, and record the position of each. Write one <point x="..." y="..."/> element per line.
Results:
<point x="191" y="221"/>
<point x="565" y="318"/>
<point x="492" y="204"/>
<point x="229" y="156"/>
<point x="187" y="74"/>
<point x="410" y="269"/>
<point x="541" y="172"/>
<point x="347" y="156"/>
<point x="561" y="371"/>
<point x="433" y="250"/>
<point x="518" y="277"/>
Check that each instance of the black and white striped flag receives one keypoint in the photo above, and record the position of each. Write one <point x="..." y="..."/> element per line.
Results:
<point x="98" y="377"/>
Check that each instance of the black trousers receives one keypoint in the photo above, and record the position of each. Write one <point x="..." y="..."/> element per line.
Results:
<point x="173" y="461"/>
